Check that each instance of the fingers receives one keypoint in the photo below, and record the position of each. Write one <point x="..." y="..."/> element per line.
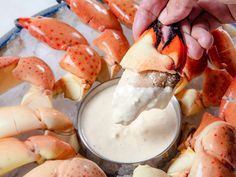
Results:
<point x="176" y="10"/>
<point x="218" y="10"/>
<point x="227" y="1"/>
<point x="232" y="9"/>
<point x="200" y="31"/>
<point x="146" y="14"/>
<point x="195" y="50"/>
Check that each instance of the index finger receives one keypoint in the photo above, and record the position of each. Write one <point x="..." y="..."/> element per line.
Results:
<point x="146" y="14"/>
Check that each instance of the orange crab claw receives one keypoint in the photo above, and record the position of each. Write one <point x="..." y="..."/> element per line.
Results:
<point x="228" y="105"/>
<point x="35" y="71"/>
<point x="223" y="52"/>
<point x="207" y="119"/>
<point x="55" y="33"/>
<point x="150" y="53"/>
<point x="124" y="10"/>
<point x="82" y="61"/>
<point x="115" y="45"/>
<point x="7" y="80"/>
<point x="204" y="163"/>
<point x="94" y="14"/>
<point x="194" y="68"/>
<point x="215" y="85"/>
<point x="176" y="50"/>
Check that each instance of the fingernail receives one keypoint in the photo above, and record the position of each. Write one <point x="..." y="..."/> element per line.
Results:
<point x="163" y="16"/>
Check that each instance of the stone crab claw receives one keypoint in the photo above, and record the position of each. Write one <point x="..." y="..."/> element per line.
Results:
<point x="228" y="105"/>
<point x="75" y="167"/>
<point x="124" y="10"/>
<point x="14" y="70"/>
<point x="153" y="68"/>
<point x="57" y="34"/>
<point x="223" y="52"/>
<point x="83" y="64"/>
<point x="94" y="14"/>
<point x="214" y="148"/>
<point x="115" y="45"/>
<point x="16" y="153"/>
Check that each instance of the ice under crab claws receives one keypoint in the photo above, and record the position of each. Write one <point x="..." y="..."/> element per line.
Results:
<point x="94" y="14"/>
<point x="55" y="33"/>
<point x="15" y="70"/>
<point x="190" y="102"/>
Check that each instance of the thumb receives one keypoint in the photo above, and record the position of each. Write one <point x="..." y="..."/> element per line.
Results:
<point x="176" y="10"/>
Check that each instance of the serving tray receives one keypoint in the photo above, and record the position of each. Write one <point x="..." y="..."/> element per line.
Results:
<point x="17" y="40"/>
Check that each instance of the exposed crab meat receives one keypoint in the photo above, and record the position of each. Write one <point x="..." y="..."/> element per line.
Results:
<point x="215" y="85"/>
<point x="147" y="171"/>
<point x="124" y="10"/>
<point x="29" y="69"/>
<point x="76" y="167"/>
<point x="223" y="52"/>
<point x="228" y="105"/>
<point x="55" y="33"/>
<point x="190" y="102"/>
<point x="94" y="14"/>
<point x="182" y="164"/>
<point x="115" y="45"/>
<point x="16" y="153"/>
<point x="159" y="70"/>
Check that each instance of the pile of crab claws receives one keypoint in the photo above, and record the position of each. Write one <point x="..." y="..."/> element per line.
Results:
<point x="89" y="12"/>
<point x="57" y="34"/>
<point x="14" y="70"/>
<point x="223" y="52"/>
<point x="150" y="52"/>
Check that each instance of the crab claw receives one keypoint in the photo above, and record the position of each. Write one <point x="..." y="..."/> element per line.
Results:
<point x="144" y="55"/>
<point x="82" y="61"/>
<point x="147" y="171"/>
<point x="223" y="52"/>
<point x="228" y="105"/>
<point x="76" y="167"/>
<point x="147" y="68"/>
<point x="190" y="102"/>
<point x="204" y="163"/>
<point x="215" y="85"/>
<point x="94" y="14"/>
<point x="35" y="71"/>
<point x="15" y="153"/>
<point x="84" y="64"/>
<point x="7" y="80"/>
<point x="124" y="10"/>
<point x="55" y="33"/>
<point x="115" y="45"/>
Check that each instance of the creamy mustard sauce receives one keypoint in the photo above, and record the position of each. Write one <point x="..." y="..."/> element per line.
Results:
<point x="147" y="136"/>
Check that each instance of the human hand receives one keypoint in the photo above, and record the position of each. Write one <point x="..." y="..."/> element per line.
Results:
<point x="197" y="18"/>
